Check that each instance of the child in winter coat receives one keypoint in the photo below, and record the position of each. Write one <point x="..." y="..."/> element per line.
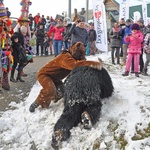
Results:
<point x="134" y="49"/>
<point x="46" y="44"/>
<point x="32" y="43"/>
<point x="20" y="58"/>
<point x="147" y="50"/>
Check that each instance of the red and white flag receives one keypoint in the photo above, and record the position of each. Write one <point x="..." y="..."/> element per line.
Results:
<point x="100" y="25"/>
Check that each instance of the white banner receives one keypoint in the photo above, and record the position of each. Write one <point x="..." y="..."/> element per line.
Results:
<point x="136" y="16"/>
<point x="124" y="9"/>
<point x="144" y="10"/>
<point x="100" y="25"/>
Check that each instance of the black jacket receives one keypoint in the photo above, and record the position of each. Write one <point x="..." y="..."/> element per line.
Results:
<point x="66" y="33"/>
<point x="40" y="35"/>
<point x="92" y="35"/>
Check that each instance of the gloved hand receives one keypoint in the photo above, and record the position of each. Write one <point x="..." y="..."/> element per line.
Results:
<point x="97" y="65"/>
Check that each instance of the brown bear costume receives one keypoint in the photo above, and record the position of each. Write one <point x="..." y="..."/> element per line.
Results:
<point x="50" y="75"/>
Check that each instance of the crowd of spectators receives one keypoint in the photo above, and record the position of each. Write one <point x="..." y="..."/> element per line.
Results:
<point x="128" y="42"/>
<point x="50" y="36"/>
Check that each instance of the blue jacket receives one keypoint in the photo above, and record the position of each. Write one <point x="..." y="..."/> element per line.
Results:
<point x="125" y="31"/>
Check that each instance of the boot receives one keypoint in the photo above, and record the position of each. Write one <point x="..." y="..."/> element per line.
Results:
<point x="12" y="79"/>
<point x="12" y="76"/>
<point x="33" y="106"/>
<point x="86" y="120"/>
<point x="19" y="78"/>
<point x="136" y="74"/>
<point x="145" y="72"/>
<point x="23" y="74"/>
<point x="56" y="139"/>
<point x="126" y="73"/>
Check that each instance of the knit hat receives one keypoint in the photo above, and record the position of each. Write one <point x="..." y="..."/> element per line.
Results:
<point x="135" y="26"/>
<point x="141" y="20"/>
<point x="3" y="13"/>
<point x="128" y="20"/>
<point x="23" y="29"/>
<point x="67" y="20"/>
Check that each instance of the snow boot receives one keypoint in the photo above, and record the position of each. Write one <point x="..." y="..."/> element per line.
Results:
<point x="33" y="106"/>
<point x="86" y="120"/>
<point x="56" y="139"/>
<point x="145" y="72"/>
<point x="136" y="74"/>
<point x="12" y="76"/>
<point x="19" y="78"/>
<point x="126" y="73"/>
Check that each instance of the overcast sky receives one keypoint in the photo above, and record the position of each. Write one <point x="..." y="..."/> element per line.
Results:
<point x="49" y="7"/>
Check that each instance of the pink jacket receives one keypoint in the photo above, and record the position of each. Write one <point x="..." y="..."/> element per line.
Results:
<point x="135" y="46"/>
<point x="58" y="32"/>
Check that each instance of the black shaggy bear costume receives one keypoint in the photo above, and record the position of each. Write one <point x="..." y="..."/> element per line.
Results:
<point x="85" y="87"/>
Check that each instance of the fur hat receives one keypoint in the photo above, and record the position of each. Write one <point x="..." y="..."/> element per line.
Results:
<point x="23" y="29"/>
<point x="135" y="26"/>
<point x="141" y="20"/>
<point x="77" y="50"/>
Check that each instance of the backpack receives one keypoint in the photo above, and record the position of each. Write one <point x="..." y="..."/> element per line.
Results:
<point x="32" y="42"/>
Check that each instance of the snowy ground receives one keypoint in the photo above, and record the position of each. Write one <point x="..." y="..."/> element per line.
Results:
<point x="124" y="122"/>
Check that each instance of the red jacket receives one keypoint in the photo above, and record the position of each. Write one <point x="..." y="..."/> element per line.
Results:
<point x="58" y="32"/>
<point x="36" y="19"/>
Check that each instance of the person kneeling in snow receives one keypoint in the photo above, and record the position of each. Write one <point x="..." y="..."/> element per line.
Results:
<point x="85" y="88"/>
<point x="52" y="73"/>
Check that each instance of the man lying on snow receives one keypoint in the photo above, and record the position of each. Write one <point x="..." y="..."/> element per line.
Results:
<point x="50" y="76"/>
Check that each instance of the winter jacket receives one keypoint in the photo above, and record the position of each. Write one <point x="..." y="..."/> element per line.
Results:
<point x="20" y="37"/>
<point x="58" y="32"/>
<point x="92" y="35"/>
<point x="116" y="38"/>
<point x="147" y="43"/>
<point x="78" y="35"/>
<point x="144" y="30"/>
<point x="31" y="21"/>
<point x="36" y="19"/>
<point x="126" y="31"/>
<point x="135" y="42"/>
<point x="66" y="32"/>
<point x="40" y="35"/>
